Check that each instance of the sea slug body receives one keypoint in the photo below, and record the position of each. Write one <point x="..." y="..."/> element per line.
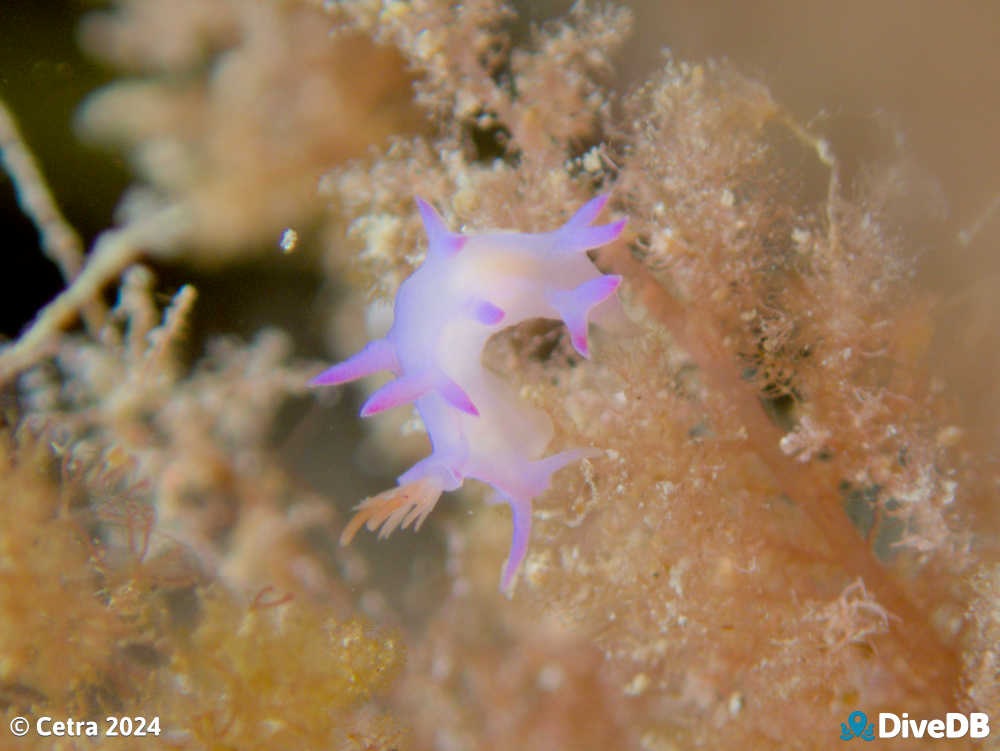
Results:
<point x="468" y="288"/>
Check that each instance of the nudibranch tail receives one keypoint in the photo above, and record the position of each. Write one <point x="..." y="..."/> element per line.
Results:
<point x="376" y="356"/>
<point x="535" y="480"/>
<point x="521" y="513"/>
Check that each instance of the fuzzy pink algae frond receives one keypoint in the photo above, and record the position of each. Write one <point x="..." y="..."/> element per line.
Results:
<point x="469" y="288"/>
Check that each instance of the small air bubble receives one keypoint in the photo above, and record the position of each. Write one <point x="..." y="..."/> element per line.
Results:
<point x="289" y="239"/>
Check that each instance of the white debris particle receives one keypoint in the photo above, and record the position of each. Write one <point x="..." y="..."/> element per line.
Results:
<point x="413" y="426"/>
<point x="535" y="566"/>
<point x="551" y="677"/>
<point x="441" y="667"/>
<point x="637" y="685"/>
<point x="652" y="741"/>
<point x="393" y="10"/>
<point x="735" y="703"/>
<point x="949" y="487"/>
<point x="825" y="152"/>
<point x="800" y="237"/>
<point x="379" y="233"/>
<point x="949" y="436"/>
<point x="806" y="440"/>
<point x="592" y="160"/>
<point x="677" y="574"/>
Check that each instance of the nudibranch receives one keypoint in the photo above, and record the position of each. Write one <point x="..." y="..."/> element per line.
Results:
<point x="468" y="288"/>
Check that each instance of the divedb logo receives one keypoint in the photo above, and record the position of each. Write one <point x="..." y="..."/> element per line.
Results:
<point x="954" y="725"/>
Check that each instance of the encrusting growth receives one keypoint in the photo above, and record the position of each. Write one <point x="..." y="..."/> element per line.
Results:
<point x="469" y="288"/>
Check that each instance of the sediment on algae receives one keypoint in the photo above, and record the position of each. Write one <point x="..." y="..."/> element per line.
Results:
<point x="792" y="516"/>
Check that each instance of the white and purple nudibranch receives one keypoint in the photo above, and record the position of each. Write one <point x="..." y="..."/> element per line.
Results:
<point x="469" y="288"/>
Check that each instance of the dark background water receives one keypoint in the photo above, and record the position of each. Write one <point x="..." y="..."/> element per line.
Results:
<point x="900" y="77"/>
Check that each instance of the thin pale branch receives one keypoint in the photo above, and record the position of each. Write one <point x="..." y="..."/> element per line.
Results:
<point x="60" y="242"/>
<point x="113" y="251"/>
